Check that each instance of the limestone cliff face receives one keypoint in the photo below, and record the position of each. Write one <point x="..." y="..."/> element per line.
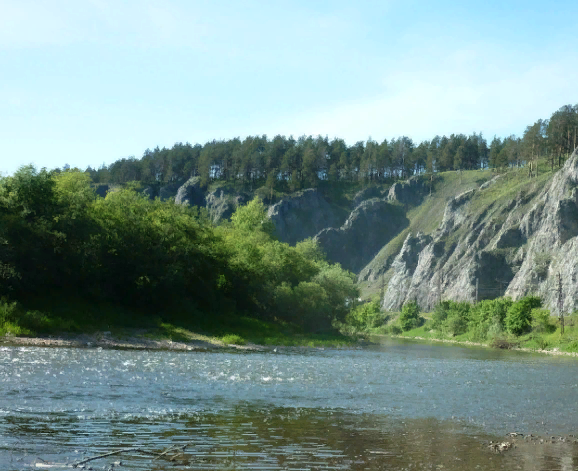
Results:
<point x="367" y="229"/>
<point x="303" y="215"/>
<point x="222" y="203"/>
<point x="513" y="248"/>
<point x="191" y="193"/>
<point x="407" y="192"/>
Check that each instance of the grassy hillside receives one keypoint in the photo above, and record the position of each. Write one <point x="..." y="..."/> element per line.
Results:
<point x="494" y="202"/>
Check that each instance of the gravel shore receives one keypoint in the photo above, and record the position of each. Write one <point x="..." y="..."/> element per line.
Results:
<point x="136" y="341"/>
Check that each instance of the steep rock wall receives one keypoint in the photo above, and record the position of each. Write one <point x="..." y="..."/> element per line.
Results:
<point x="303" y="215"/>
<point x="516" y="248"/>
<point x="368" y="228"/>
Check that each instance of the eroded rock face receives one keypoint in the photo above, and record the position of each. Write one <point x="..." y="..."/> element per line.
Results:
<point x="367" y="229"/>
<point x="366" y="194"/>
<point x="409" y="192"/>
<point x="170" y="190"/>
<point x="551" y="226"/>
<point x="191" y="193"/>
<point x="404" y="267"/>
<point x="222" y="203"/>
<point x="515" y="250"/>
<point x="303" y="215"/>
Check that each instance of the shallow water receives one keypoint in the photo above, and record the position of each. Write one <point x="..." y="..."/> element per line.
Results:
<point x="400" y="405"/>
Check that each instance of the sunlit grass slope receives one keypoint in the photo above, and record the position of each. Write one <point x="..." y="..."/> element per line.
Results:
<point x="492" y="202"/>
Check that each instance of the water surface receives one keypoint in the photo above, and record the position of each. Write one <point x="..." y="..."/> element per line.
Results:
<point x="400" y="405"/>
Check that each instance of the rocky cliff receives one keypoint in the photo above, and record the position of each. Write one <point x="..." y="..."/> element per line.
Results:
<point x="458" y="236"/>
<point x="370" y="226"/>
<point x="303" y="215"/>
<point x="511" y="236"/>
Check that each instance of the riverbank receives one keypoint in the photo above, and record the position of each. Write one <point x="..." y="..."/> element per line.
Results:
<point x="469" y="343"/>
<point x="136" y="340"/>
<point x="169" y="337"/>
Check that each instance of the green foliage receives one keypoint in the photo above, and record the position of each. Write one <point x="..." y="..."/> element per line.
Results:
<point x="18" y="321"/>
<point x="519" y="316"/>
<point x="542" y="321"/>
<point x="440" y="314"/>
<point x="366" y="316"/>
<point x="451" y="317"/>
<point x="309" y="248"/>
<point x="233" y="339"/>
<point x="396" y="330"/>
<point x="57" y="238"/>
<point x="486" y="318"/>
<point x="409" y="317"/>
<point x="253" y="217"/>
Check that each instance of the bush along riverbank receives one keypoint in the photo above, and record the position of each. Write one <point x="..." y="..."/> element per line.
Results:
<point x="72" y="261"/>
<point x="499" y="323"/>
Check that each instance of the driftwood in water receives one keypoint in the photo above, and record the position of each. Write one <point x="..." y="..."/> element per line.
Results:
<point x="164" y="454"/>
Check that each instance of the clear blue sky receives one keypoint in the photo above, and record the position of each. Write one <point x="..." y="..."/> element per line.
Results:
<point x="91" y="81"/>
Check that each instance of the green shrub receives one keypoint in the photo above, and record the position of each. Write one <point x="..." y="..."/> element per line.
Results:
<point x="366" y="316"/>
<point x="410" y="318"/>
<point x="233" y="339"/>
<point x="541" y="320"/>
<point x="519" y="315"/>
<point x="440" y="314"/>
<point x="451" y="317"/>
<point x="455" y="324"/>
<point x="395" y="330"/>
<point x="495" y="330"/>
<point x="488" y="315"/>
<point x="543" y="344"/>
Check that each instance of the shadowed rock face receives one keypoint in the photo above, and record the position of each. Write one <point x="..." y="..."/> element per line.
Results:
<point x="515" y="251"/>
<point x="366" y="194"/>
<point x="191" y="193"/>
<point x="368" y="228"/>
<point x="303" y="215"/>
<point x="169" y="190"/>
<point x="222" y="203"/>
<point x="410" y="192"/>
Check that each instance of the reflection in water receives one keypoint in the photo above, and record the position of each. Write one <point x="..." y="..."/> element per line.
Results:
<point x="249" y="437"/>
<point x="395" y="406"/>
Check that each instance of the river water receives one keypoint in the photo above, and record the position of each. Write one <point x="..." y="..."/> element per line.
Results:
<point x="399" y="405"/>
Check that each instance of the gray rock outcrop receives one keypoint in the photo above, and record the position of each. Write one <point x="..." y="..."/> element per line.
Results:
<point x="409" y="192"/>
<point x="191" y="193"/>
<point x="366" y="194"/>
<point x="513" y="247"/>
<point x="367" y="229"/>
<point x="169" y="190"/>
<point x="222" y="203"/>
<point x="303" y="215"/>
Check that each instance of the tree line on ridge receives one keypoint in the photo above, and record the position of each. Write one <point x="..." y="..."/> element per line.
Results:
<point x="305" y="161"/>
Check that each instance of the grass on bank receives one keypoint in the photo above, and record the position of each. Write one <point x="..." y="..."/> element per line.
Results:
<point x="179" y="325"/>
<point x="531" y="340"/>
<point x="500" y="323"/>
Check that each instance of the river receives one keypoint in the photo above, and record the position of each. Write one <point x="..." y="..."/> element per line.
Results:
<point x="398" y="405"/>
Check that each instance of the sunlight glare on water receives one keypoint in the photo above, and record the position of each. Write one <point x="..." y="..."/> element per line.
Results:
<point x="394" y="404"/>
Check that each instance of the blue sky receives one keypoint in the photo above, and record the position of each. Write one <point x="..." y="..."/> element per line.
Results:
<point x="87" y="82"/>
